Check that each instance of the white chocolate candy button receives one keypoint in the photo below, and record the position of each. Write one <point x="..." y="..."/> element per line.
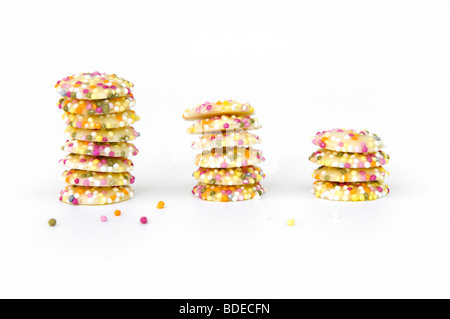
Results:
<point x="229" y="157"/>
<point x="229" y="176"/>
<point x="96" y="107"/>
<point x="349" y="160"/>
<point x="97" y="179"/>
<point x="93" y="86"/>
<point x="97" y="122"/>
<point x="232" y="139"/>
<point x="97" y="164"/>
<point x="214" y="109"/>
<point x="82" y="195"/>
<point x="351" y="141"/>
<point x="224" y="123"/>
<point x="101" y="149"/>
<point x="116" y="135"/>
<point x="334" y="174"/>
<point x="228" y="193"/>
<point x="358" y="191"/>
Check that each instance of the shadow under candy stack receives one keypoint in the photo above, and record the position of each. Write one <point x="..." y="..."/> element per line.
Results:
<point x="98" y="115"/>
<point x="227" y="166"/>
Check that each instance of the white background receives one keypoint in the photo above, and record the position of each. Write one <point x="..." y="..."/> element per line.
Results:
<point x="305" y="66"/>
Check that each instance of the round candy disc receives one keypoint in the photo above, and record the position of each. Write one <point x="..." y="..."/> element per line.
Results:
<point x="228" y="193"/>
<point x="354" y="192"/>
<point x="349" y="160"/>
<point x="348" y="141"/>
<point x="82" y="195"/>
<point x="97" y="122"/>
<point x="229" y="157"/>
<point x="96" y="107"/>
<point x="224" y="123"/>
<point x="233" y="139"/>
<point x="93" y="86"/>
<point x="97" y="179"/>
<point x="116" y="135"/>
<point x="229" y="176"/>
<point x="209" y="110"/>
<point x="334" y="174"/>
<point x="97" y="164"/>
<point x="101" y="149"/>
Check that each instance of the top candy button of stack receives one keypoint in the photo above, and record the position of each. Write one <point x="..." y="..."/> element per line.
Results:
<point x="227" y="171"/>
<point x="93" y="86"/>
<point x="351" y="165"/>
<point x="348" y="141"/>
<point x="98" y="116"/>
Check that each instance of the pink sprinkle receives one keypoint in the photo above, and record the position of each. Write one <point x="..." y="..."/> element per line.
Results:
<point x="77" y="181"/>
<point x="85" y="91"/>
<point x="209" y="107"/>
<point x="373" y="178"/>
<point x="347" y="165"/>
<point x="144" y="220"/>
<point x="365" y="149"/>
<point x="104" y="219"/>
<point x="86" y="183"/>
<point x="226" y="125"/>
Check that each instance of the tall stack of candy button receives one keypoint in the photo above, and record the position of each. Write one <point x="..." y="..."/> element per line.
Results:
<point x="227" y="165"/>
<point x="351" y="166"/>
<point x="98" y="115"/>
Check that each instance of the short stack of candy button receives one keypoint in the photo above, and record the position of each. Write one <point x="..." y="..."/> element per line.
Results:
<point x="227" y="166"/>
<point x="351" y="166"/>
<point x="97" y="111"/>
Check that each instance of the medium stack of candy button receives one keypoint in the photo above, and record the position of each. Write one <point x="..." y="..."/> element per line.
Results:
<point x="97" y="111"/>
<point x="227" y="166"/>
<point x="351" y="166"/>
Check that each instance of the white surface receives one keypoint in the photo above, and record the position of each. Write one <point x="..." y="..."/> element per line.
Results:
<point x="305" y="66"/>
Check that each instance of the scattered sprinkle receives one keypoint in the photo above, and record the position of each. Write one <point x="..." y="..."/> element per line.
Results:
<point x="161" y="205"/>
<point x="52" y="222"/>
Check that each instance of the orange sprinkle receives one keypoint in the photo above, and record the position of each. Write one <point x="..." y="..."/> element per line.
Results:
<point x="161" y="205"/>
<point x="117" y="212"/>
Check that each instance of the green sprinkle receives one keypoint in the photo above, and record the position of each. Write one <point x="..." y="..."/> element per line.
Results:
<point x="52" y="222"/>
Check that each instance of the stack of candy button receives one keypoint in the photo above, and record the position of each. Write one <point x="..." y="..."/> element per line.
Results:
<point x="98" y="115"/>
<point x="351" y="166"/>
<point x="227" y="171"/>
